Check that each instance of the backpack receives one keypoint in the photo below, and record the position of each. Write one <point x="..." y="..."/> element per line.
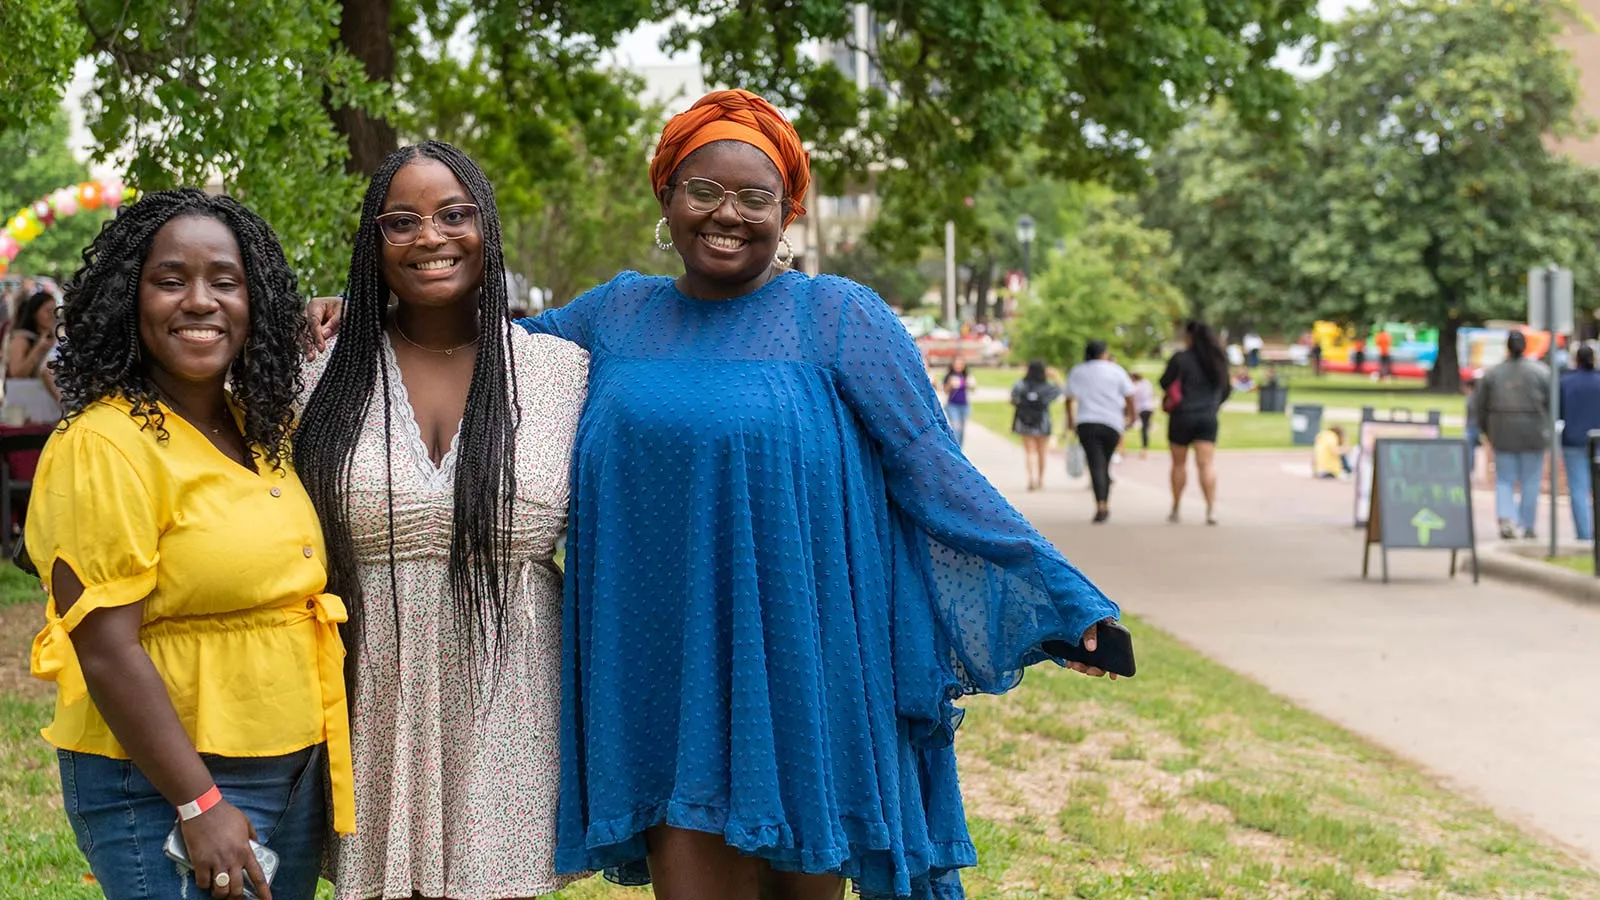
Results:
<point x="1032" y="408"/>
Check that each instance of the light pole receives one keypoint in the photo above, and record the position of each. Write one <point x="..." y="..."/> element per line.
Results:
<point x="1025" y="235"/>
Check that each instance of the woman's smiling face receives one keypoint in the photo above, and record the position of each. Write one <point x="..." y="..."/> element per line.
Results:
<point x="435" y="270"/>
<point x="720" y="247"/>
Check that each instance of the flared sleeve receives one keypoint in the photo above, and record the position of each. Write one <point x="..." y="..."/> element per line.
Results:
<point x="998" y="589"/>
<point x="92" y="510"/>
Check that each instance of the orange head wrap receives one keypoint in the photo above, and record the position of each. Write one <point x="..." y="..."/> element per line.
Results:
<point x="736" y="116"/>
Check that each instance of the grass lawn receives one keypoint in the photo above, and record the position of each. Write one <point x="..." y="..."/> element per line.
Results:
<point x="1186" y="782"/>
<point x="1356" y="391"/>
<point x="1581" y="562"/>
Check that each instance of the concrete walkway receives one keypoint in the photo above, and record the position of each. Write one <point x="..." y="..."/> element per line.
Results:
<point x="1494" y="688"/>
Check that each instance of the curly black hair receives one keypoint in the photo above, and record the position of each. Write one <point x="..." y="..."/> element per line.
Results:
<point x="486" y="483"/>
<point x="100" y="355"/>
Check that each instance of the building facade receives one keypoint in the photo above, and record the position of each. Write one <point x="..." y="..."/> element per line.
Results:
<point x="1584" y="45"/>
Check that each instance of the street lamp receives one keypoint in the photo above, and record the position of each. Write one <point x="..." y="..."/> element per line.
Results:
<point x="1025" y="234"/>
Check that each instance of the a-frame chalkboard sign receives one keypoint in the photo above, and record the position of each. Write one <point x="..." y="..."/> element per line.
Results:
<point x="1421" y="500"/>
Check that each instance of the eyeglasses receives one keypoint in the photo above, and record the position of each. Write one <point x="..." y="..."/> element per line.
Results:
<point x="752" y="204"/>
<point x="403" y="228"/>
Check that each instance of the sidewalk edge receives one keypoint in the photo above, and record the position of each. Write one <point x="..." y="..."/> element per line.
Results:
<point x="1505" y="564"/>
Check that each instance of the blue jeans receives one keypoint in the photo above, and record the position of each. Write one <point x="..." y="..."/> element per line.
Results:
<point x="1576" y="460"/>
<point x="121" y="820"/>
<point x="1516" y="478"/>
<point x="958" y="413"/>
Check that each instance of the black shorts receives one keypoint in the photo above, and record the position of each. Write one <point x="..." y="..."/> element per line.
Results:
<point x="1185" y="430"/>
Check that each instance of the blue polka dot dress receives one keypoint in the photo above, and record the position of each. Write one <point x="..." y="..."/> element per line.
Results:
<point x="781" y="572"/>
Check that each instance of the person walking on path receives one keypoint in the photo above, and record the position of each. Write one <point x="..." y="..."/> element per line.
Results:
<point x="1580" y="414"/>
<point x="1513" y="408"/>
<point x="1144" y="403"/>
<point x="196" y="653"/>
<point x="1032" y="397"/>
<point x="1196" y="385"/>
<point x="1100" y="406"/>
<point x="437" y="445"/>
<point x="958" y="386"/>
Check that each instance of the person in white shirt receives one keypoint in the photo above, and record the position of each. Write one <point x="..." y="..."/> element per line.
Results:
<point x="1100" y="405"/>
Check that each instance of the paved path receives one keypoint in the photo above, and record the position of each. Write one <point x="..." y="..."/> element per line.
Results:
<point x="1494" y="688"/>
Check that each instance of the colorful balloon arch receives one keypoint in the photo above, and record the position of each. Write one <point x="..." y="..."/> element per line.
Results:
<point x="30" y="221"/>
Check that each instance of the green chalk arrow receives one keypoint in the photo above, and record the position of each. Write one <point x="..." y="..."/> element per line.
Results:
<point x="1425" y="522"/>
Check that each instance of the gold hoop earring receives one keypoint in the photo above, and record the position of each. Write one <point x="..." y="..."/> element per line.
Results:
<point x="660" y="243"/>
<point x="785" y="253"/>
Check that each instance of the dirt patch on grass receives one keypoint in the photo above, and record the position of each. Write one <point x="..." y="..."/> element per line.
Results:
<point x="19" y="622"/>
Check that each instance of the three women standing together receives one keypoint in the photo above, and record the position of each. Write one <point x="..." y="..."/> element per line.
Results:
<point x="771" y="526"/>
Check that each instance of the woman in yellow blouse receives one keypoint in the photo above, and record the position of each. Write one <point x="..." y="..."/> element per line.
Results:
<point x="197" y="660"/>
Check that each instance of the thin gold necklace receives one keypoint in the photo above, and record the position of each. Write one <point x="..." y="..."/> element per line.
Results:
<point x="447" y="352"/>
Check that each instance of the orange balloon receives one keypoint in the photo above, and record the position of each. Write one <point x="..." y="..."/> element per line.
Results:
<point x="90" y="195"/>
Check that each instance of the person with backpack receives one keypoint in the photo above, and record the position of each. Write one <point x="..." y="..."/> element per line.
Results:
<point x="1032" y="397"/>
<point x="1195" y="385"/>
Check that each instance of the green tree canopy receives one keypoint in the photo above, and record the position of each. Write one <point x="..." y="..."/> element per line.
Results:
<point x="564" y="144"/>
<point x="276" y="99"/>
<point x="1438" y="190"/>
<point x="1236" y="204"/>
<point x="1114" y="282"/>
<point x="1422" y="188"/>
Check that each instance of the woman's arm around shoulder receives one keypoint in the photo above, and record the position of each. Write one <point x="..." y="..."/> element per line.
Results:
<point x="577" y="321"/>
<point x="557" y="361"/>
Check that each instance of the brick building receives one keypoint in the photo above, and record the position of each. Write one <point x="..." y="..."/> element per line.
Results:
<point x="1584" y="44"/>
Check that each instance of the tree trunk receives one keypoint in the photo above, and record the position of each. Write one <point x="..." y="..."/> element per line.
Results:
<point x="364" y="32"/>
<point x="1446" y="375"/>
<point x="984" y="286"/>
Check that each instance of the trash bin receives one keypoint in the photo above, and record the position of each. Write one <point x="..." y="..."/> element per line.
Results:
<point x="1274" y="398"/>
<point x="1305" y="423"/>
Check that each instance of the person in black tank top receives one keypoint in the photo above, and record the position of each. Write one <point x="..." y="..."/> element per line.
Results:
<point x="1195" y="385"/>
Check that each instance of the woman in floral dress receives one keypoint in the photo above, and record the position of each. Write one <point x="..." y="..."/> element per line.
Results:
<point x="436" y="445"/>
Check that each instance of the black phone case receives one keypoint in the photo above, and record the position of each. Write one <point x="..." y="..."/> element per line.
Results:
<point x="1113" y="651"/>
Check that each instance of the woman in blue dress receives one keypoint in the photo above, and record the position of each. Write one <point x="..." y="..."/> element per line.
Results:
<point x="781" y="570"/>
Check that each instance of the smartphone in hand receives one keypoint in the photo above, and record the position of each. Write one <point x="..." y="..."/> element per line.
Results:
<point x="178" y="852"/>
<point x="1113" y="650"/>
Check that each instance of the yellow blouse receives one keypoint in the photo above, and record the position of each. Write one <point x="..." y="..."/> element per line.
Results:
<point x="231" y="566"/>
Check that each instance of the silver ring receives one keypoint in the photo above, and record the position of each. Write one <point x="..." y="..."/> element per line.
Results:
<point x="221" y="880"/>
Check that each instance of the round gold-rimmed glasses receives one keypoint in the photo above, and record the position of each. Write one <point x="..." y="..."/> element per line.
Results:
<point x="451" y="222"/>
<point x="752" y="204"/>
